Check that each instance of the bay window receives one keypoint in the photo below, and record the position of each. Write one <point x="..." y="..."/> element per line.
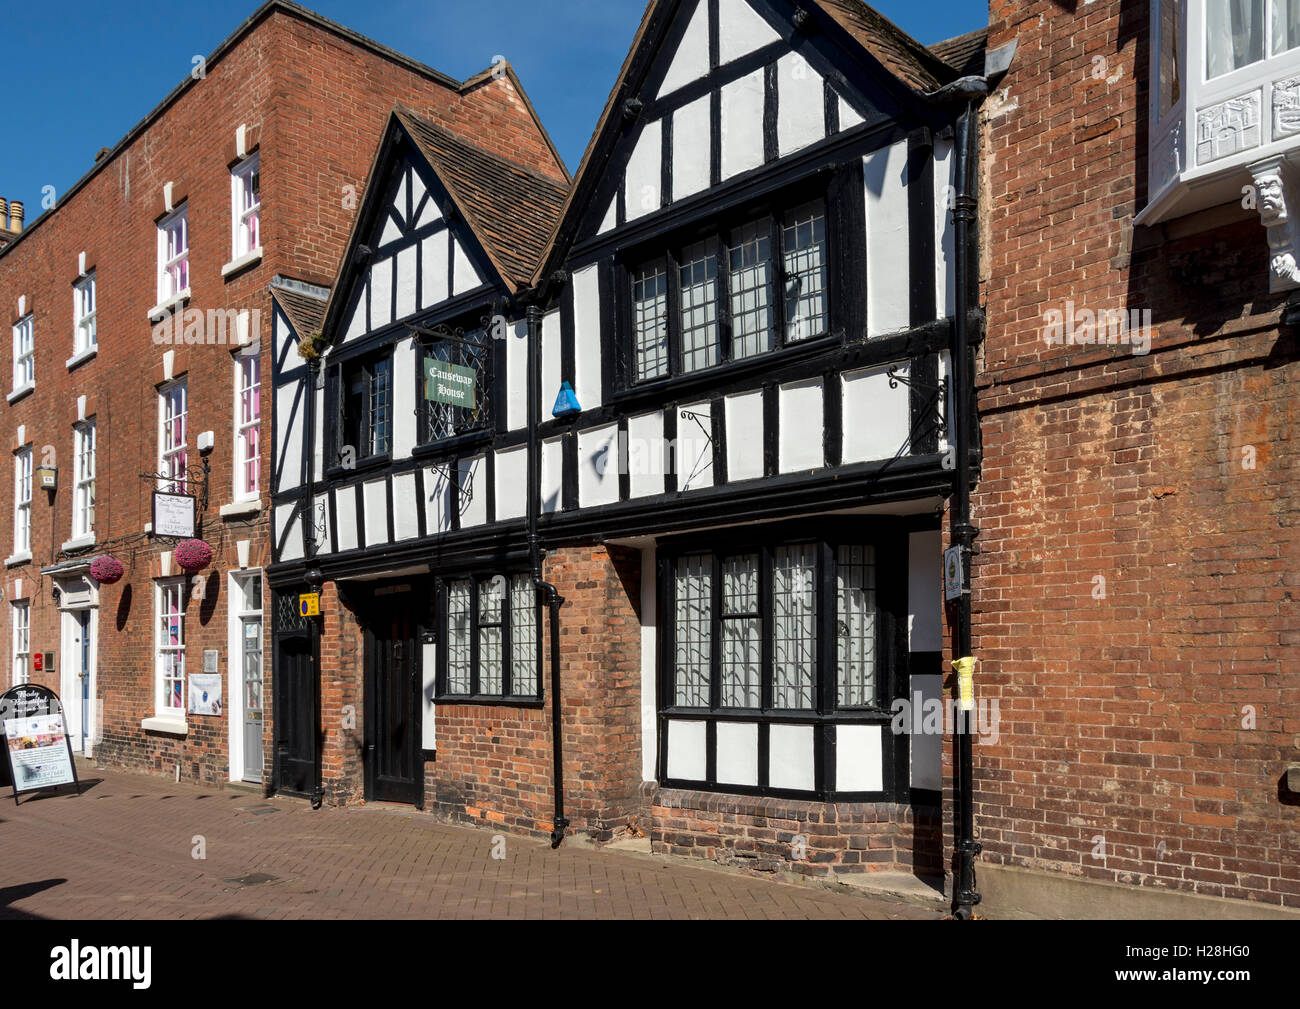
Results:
<point x="492" y="630"/>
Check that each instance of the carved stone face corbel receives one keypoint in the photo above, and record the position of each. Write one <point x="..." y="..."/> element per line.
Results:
<point x="1277" y="198"/>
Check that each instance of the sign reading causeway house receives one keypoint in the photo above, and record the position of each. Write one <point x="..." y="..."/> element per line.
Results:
<point x="448" y="383"/>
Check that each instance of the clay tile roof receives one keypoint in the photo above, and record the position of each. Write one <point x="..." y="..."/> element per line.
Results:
<point x="512" y="209"/>
<point x="305" y="312"/>
<point x="892" y="47"/>
<point x="964" y="53"/>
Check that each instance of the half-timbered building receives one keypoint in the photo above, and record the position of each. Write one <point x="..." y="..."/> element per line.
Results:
<point x="623" y="496"/>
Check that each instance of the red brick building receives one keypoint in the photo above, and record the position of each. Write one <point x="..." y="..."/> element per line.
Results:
<point x="140" y="306"/>
<point x="1136" y="581"/>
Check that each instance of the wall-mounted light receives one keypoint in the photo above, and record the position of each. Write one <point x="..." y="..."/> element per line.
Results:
<point x="566" y="403"/>
<point x="206" y="440"/>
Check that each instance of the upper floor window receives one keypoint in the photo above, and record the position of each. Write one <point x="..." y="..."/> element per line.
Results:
<point x="248" y="420"/>
<point x="246" y="207"/>
<point x="83" y="461"/>
<point x="365" y="406"/>
<point x="172" y="416"/>
<point x="493" y="638"/>
<point x="85" y="338"/>
<point x="173" y="255"/>
<point x="1241" y="32"/>
<point x="742" y="292"/>
<point x="24" y="354"/>
<point x="455" y="386"/>
<point x="23" y="501"/>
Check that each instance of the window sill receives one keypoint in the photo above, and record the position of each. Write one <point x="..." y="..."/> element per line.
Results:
<point x="171" y="726"/>
<point x="16" y="559"/>
<point x="164" y="307"/>
<point x="78" y="543"/>
<point x="20" y="392"/>
<point x="500" y="702"/>
<point x="80" y="357"/>
<point x="240" y="509"/>
<point x="239" y="262"/>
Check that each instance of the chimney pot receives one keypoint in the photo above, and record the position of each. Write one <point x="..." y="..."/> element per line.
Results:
<point x="4" y="214"/>
<point x="15" y="216"/>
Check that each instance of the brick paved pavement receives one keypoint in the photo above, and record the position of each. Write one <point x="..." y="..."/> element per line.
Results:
<point x="124" y="849"/>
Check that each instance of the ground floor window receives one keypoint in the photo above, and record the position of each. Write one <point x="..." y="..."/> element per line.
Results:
<point x="20" y="613"/>
<point x="169" y="603"/>
<point x="491" y="628"/>
<point x="775" y="653"/>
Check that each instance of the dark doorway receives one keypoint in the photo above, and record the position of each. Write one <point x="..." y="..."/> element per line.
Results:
<point x="297" y="698"/>
<point x="393" y="758"/>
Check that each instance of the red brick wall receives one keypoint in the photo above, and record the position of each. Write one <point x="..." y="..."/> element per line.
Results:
<point x="1125" y="751"/>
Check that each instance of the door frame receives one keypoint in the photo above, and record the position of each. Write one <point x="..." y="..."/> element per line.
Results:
<point x="80" y="722"/>
<point x="312" y="635"/>
<point x="237" y="758"/>
<point x="381" y="599"/>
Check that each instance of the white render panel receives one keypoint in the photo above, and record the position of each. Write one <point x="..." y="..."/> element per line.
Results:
<point x="381" y="292"/>
<point x="586" y="337"/>
<point x="433" y="267"/>
<point x="800" y="104"/>
<point x="429" y="687"/>
<point x="404" y="419"/>
<point x="324" y="535"/>
<point x="406" y="513"/>
<point x="473" y="490"/>
<point x="406" y="282"/>
<point x="645" y="454"/>
<point x="924" y="588"/>
<point x="926" y="748"/>
<point x="512" y="483"/>
<point x="391" y="233"/>
<point x="790" y="757"/>
<point x="691" y="61"/>
<point x="437" y="500"/>
<point x="877" y="419"/>
<point x="694" y="455"/>
<point x="399" y="198"/>
<point x="744" y="427"/>
<point x="552" y="474"/>
<point x="800" y="430"/>
<point x="691" y="148"/>
<point x="319" y="452"/>
<point x="888" y="281"/>
<point x="644" y="173"/>
<point x="742" y="124"/>
<point x="357" y="321"/>
<point x="550" y="365"/>
<point x="283" y="341"/>
<point x="737" y="753"/>
<point x="517" y="376"/>
<point x="611" y="217"/>
<point x="465" y="277"/>
<point x="417" y="188"/>
<point x="649" y="665"/>
<point x="741" y="30"/>
<point x="289" y="409"/>
<point x="284" y="519"/>
<point x="374" y="498"/>
<point x="345" y="511"/>
<point x="431" y="213"/>
<point x="859" y="758"/>
<point x="848" y="115"/>
<point x="687" y="750"/>
<point x="945" y="281"/>
<point x="598" y="466"/>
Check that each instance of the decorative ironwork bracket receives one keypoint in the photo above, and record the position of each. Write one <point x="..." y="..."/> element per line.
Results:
<point x="200" y="484"/>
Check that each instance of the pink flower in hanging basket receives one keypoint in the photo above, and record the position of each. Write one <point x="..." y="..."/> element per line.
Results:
<point x="192" y="555"/>
<point x="106" y="570"/>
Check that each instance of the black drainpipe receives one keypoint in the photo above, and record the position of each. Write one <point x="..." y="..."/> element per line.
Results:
<point x="961" y="532"/>
<point x="549" y="592"/>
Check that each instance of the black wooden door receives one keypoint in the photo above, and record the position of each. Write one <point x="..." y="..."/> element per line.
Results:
<point x="295" y="713"/>
<point x="392" y="705"/>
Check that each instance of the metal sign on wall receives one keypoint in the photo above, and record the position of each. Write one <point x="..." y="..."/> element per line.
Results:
<point x="449" y="383"/>
<point x="173" y="515"/>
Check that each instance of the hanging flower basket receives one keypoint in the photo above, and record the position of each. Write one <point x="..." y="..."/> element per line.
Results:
<point x="310" y="346"/>
<point x="192" y="555"/>
<point x="106" y="570"/>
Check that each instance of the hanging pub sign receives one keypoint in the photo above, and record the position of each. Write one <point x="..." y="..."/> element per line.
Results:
<point x="38" y="752"/>
<point x="173" y="515"/>
<point x="449" y="383"/>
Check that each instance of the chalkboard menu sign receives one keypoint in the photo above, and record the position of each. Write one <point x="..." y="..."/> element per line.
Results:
<point x="38" y="752"/>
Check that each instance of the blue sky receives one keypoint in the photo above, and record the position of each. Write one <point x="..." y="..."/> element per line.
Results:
<point x="77" y="75"/>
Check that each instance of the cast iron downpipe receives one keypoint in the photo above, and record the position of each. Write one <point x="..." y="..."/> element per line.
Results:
<point x="969" y="90"/>
<point x="549" y="592"/>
